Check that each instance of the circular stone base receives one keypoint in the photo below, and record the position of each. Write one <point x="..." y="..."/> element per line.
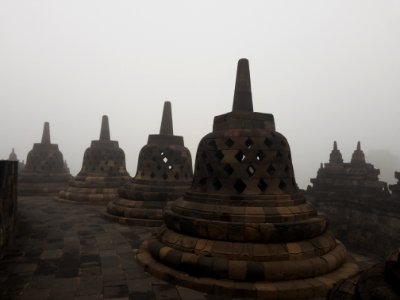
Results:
<point x="309" y="288"/>
<point x="132" y="221"/>
<point x="58" y="199"/>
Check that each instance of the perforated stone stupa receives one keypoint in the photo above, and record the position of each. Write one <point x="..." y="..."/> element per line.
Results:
<point x="163" y="174"/>
<point x="243" y="228"/>
<point x="103" y="171"/>
<point x="44" y="172"/>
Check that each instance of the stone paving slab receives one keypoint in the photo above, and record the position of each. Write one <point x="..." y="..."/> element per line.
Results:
<point x="66" y="251"/>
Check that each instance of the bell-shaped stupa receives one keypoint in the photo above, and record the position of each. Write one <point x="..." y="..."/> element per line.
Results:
<point x="44" y="172"/>
<point x="164" y="173"/>
<point x="103" y="171"/>
<point x="13" y="156"/>
<point x="244" y="228"/>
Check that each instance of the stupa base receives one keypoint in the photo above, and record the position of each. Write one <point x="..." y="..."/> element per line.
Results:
<point x="42" y="189"/>
<point x="132" y="221"/>
<point x="309" y="288"/>
<point x="135" y="212"/>
<point x="86" y="196"/>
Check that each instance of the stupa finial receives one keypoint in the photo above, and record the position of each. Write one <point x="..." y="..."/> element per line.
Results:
<point x="242" y="100"/>
<point x="105" y="129"/>
<point x="46" y="133"/>
<point x="358" y="146"/>
<point x="334" y="145"/>
<point x="166" y="122"/>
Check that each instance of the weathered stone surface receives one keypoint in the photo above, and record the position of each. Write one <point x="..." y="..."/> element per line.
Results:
<point x="45" y="172"/>
<point x="8" y="204"/>
<point x="163" y="174"/>
<point x="103" y="171"/>
<point x="244" y="228"/>
<point x="395" y="188"/>
<point x="381" y="281"/>
<point x="351" y="193"/>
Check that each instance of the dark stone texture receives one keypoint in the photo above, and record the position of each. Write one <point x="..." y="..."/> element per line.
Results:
<point x="45" y="172"/>
<point x="244" y="229"/>
<point x="103" y="171"/>
<point x="362" y="213"/>
<point x="163" y="174"/>
<point x="8" y="204"/>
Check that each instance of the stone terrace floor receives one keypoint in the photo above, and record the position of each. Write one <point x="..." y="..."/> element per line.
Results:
<point x="69" y="251"/>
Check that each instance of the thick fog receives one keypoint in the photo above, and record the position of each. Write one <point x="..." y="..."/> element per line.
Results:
<point x="327" y="70"/>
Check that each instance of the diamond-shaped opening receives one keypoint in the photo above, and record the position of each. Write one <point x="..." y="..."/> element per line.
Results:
<point x="165" y="176"/>
<point x="250" y="170"/>
<point x="217" y="184"/>
<point x="176" y="176"/>
<point x="262" y="185"/>
<point x="287" y="169"/>
<point x="152" y="175"/>
<point x="271" y="170"/>
<point x="240" y="156"/>
<point x="249" y="143"/>
<point x="228" y="169"/>
<point x="161" y="153"/>
<point x="278" y="154"/>
<point x="239" y="186"/>
<point x="165" y="160"/>
<point x="219" y="155"/>
<point x="282" y="185"/>
<point x="229" y="142"/>
<point x="158" y="167"/>
<point x="260" y="155"/>
<point x="268" y="142"/>
<point x="170" y="167"/>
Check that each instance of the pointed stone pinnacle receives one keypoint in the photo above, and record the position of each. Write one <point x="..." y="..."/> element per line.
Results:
<point x="242" y="100"/>
<point x="334" y="145"/>
<point x="105" y="129"/>
<point x="46" y="133"/>
<point x="166" y="122"/>
<point x="358" y="145"/>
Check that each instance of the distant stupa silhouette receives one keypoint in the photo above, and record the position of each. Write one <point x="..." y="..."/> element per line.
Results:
<point x="244" y="229"/>
<point x="164" y="173"/>
<point x="103" y="171"/>
<point x="44" y="172"/>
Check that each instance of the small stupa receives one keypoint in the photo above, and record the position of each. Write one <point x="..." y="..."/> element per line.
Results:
<point x="13" y="157"/>
<point x="44" y="172"/>
<point x="103" y="171"/>
<point x="164" y="173"/>
<point x="243" y="228"/>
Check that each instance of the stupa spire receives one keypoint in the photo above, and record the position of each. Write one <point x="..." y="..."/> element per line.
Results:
<point x="334" y="145"/>
<point x="46" y="133"/>
<point x="105" y="129"/>
<point x="166" y="122"/>
<point x="358" y="146"/>
<point x="358" y="156"/>
<point x="242" y="100"/>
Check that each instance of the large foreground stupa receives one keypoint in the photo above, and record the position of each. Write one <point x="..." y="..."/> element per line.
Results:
<point x="45" y="172"/>
<point x="163" y="174"/>
<point x="243" y="228"/>
<point x="103" y="171"/>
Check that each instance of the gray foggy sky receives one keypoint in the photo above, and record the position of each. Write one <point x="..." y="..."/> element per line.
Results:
<point x="327" y="70"/>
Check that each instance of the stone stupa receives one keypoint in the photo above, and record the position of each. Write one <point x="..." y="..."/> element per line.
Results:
<point x="163" y="174"/>
<point x="13" y="157"/>
<point x="103" y="171"/>
<point x="243" y="228"/>
<point x="44" y="173"/>
<point x="395" y="188"/>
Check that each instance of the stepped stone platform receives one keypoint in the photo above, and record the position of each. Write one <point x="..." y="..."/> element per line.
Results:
<point x="65" y="251"/>
<point x="164" y="173"/>
<point x="45" y="172"/>
<point x="350" y="193"/>
<point x="103" y="171"/>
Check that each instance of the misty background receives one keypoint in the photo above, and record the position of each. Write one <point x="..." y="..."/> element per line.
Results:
<point x="326" y="70"/>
